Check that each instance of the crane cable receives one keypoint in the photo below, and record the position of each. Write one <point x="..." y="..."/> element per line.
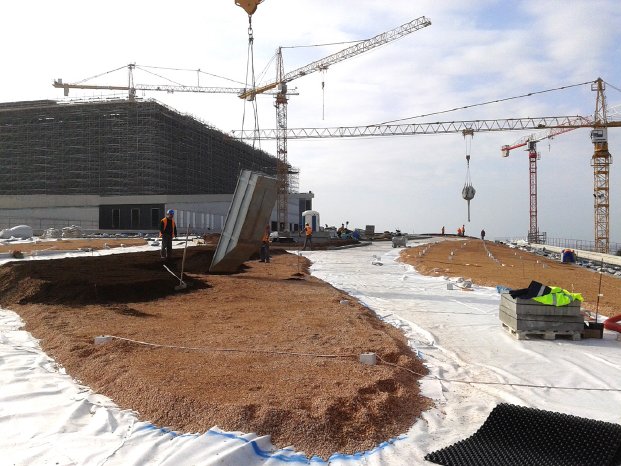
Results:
<point x="614" y="87"/>
<point x="199" y="71"/>
<point x="468" y="190"/>
<point x="323" y="93"/>
<point x="468" y="134"/>
<point x="321" y="45"/>
<point x="250" y="70"/>
<point x="530" y="94"/>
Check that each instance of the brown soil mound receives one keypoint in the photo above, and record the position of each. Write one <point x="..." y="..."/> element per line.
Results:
<point x="90" y="280"/>
<point x="320" y="405"/>
<point x="516" y="269"/>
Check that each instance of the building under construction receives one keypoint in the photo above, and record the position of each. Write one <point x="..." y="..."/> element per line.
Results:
<point x="118" y="165"/>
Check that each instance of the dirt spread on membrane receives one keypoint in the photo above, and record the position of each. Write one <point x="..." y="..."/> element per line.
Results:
<point x="319" y="405"/>
<point x="515" y="269"/>
<point x="62" y="244"/>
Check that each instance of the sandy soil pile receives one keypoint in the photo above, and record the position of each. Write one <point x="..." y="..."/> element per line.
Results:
<point x="319" y="405"/>
<point x="514" y="269"/>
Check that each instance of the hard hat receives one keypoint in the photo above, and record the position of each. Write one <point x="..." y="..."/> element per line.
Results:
<point x="170" y="212"/>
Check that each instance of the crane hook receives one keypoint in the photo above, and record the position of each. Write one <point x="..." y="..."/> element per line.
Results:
<point x="249" y="5"/>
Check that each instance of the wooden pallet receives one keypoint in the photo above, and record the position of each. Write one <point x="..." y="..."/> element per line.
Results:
<point x="543" y="334"/>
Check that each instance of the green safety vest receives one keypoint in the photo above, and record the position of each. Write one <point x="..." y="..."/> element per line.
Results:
<point x="558" y="297"/>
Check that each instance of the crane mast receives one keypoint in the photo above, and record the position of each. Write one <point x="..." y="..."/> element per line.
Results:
<point x="533" y="229"/>
<point x="282" y="166"/>
<point x="600" y="162"/>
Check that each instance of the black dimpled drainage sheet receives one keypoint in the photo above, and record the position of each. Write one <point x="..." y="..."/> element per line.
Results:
<point x="515" y="435"/>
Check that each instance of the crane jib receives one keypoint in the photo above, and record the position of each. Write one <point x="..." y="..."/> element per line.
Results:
<point x="411" y="129"/>
<point x="356" y="49"/>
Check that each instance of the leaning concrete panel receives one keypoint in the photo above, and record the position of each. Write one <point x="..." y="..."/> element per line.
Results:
<point x="253" y="202"/>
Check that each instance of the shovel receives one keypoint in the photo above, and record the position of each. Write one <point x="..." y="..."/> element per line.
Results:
<point x="182" y="285"/>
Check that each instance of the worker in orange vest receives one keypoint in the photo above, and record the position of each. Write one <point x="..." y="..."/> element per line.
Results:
<point x="308" y="238"/>
<point x="264" y="253"/>
<point x="168" y="231"/>
<point x="458" y="231"/>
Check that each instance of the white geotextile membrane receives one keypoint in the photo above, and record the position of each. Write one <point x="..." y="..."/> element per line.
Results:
<point x="48" y="252"/>
<point x="48" y="418"/>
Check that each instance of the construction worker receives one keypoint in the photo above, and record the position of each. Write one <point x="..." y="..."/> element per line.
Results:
<point x="168" y="231"/>
<point x="443" y="231"/>
<point x="308" y="238"/>
<point x="463" y="230"/>
<point x="264" y="253"/>
<point x="483" y="234"/>
<point x="459" y="230"/>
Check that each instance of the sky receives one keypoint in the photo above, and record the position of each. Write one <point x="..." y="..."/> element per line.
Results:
<point x="474" y="52"/>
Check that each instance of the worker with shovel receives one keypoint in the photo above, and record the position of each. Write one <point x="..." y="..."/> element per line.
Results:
<point x="168" y="231"/>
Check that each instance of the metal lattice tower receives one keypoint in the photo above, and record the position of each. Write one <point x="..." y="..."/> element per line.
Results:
<point x="533" y="229"/>
<point x="600" y="162"/>
<point x="282" y="167"/>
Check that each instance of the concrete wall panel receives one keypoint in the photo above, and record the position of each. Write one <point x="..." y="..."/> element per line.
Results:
<point x="253" y="201"/>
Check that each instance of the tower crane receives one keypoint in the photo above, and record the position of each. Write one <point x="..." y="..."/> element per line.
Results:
<point x="131" y="87"/>
<point x="601" y="159"/>
<point x="600" y="162"/>
<point x="534" y="236"/>
<point x="280" y="84"/>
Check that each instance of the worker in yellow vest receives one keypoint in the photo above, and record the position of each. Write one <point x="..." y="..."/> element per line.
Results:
<point x="308" y="237"/>
<point x="168" y="231"/>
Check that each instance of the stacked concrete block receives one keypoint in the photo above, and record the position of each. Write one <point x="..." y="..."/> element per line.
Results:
<point x="526" y="318"/>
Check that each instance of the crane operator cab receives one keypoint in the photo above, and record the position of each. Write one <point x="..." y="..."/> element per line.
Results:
<point x="599" y="135"/>
<point x="249" y="5"/>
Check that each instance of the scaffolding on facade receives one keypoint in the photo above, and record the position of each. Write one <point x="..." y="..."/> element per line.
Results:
<point x="118" y="147"/>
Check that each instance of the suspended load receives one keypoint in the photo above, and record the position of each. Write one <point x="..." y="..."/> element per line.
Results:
<point x="468" y="190"/>
<point x="468" y="194"/>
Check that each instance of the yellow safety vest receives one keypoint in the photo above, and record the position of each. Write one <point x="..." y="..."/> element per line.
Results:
<point x="558" y="297"/>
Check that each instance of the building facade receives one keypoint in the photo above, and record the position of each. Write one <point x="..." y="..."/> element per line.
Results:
<point x="119" y="165"/>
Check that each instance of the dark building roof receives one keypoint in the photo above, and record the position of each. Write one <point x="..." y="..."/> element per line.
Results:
<point x="117" y="147"/>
